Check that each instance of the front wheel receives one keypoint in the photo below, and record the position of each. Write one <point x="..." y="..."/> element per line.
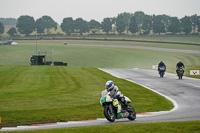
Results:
<point x="109" y="113"/>
<point x="161" y="74"/>
<point x="180" y="76"/>
<point x="132" y="113"/>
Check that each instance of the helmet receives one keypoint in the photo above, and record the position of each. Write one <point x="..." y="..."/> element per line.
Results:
<point x="161" y="61"/>
<point x="109" y="85"/>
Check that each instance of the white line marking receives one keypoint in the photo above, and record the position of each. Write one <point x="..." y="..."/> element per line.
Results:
<point x="192" y="85"/>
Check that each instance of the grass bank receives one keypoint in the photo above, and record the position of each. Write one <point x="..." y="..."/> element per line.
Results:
<point x="93" y="42"/>
<point x="163" y="127"/>
<point x="99" y="57"/>
<point x="38" y="94"/>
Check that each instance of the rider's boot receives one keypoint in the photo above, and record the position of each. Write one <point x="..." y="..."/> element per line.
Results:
<point x="123" y="114"/>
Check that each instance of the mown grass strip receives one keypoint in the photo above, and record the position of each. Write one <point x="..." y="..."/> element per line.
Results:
<point x="162" y="127"/>
<point x="39" y="94"/>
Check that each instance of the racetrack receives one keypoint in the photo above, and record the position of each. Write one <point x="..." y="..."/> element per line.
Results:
<point x="184" y="94"/>
<point x="144" y="48"/>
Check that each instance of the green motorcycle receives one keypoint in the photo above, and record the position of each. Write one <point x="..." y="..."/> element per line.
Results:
<point x="111" y="106"/>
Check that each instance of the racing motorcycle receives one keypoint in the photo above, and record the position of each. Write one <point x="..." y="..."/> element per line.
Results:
<point x="110" y="106"/>
<point x="180" y="73"/>
<point x="162" y="71"/>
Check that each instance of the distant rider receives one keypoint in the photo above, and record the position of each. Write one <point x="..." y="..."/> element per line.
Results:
<point x="178" y="65"/>
<point x="116" y="94"/>
<point x="161" y="64"/>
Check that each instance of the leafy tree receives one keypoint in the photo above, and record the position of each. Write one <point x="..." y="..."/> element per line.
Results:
<point x="8" y="21"/>
<point x="133" y="27"/>
<point x="39" y="26"/>
<point x="47" y="23"/>
<point x="194" y="20"/>
<point x="94" y="26"/>
<point x="147" y="24"/>
<point x="12" y="31"/>
<point x="139" y="16"/>
<point x="113" y="20"/>
<point x="158" y="24"/>
<point x="67" y="25"/>
<point x="174" y="25"/>
<point x="81" y="26"/>
<point x="186" y="24"/>
<point x="198" y="24"/>
<point x="120" y="24"/>
<point x="1" y="28"/>
<point x="165" y="20"/>
<point x="106" y="25"/>
<point x="25" y="24"/>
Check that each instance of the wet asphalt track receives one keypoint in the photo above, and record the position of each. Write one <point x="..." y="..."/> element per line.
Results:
<point x="140" y="47"/>
<point x="185" y="95"/>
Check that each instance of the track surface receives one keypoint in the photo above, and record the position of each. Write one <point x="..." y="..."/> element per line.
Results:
<point x="142" y="47"/>
<point x="185" y="92"/>
<point x="185" y="95"/>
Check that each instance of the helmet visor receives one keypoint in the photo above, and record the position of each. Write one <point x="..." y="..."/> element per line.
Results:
<point x="108" y="86"/>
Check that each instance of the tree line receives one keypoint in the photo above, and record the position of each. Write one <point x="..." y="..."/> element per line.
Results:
<point x="139" y="22"/>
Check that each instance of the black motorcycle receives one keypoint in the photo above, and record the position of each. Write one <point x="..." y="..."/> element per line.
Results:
<point x="180" y="72"/>
<point x="162" y="71"/>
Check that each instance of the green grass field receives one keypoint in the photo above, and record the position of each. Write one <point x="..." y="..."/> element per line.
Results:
<point x="163" y="127"/>
<point x="37" y="94"/>
<point x="93" y="42"/>
<point x="91" y="56"/>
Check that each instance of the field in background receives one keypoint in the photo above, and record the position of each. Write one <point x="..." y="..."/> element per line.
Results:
<point x="77" y="55"/>
<point x="129" y="43"/>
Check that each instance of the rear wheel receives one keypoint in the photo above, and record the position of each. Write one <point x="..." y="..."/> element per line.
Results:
<point x="109" y="114"/>
<point x="132" y="113"/>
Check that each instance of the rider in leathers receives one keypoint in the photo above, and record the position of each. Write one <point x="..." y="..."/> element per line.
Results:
<point x="161" y="64"/>
<point x="178" y="65"/>
<point x="116" y="94"/>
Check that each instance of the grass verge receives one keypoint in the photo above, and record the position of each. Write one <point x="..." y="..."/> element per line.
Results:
<point x="39" y="94"/>
<point x="162" y="127"/>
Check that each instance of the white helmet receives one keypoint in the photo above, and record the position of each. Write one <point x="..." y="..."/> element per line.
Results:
<point x="109" y="85"/>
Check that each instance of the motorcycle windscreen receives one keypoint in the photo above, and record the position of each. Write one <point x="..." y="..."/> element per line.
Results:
<point x="104" y="93"/>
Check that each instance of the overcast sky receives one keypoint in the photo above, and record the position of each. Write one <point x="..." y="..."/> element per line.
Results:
<point x="95" y="9"/>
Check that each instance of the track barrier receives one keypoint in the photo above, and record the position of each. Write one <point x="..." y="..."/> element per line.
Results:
<point x="194" y="72"/>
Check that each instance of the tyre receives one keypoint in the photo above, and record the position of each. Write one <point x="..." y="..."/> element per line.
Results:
<point x="109" y="114"/>
<point x="132" y="113"/>
<point x="161" y="74"/>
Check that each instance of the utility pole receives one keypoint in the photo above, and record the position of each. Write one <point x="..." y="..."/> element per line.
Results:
<point x="36" y="43"/>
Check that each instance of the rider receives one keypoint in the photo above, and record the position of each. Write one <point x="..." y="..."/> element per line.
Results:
<point x="116" y="94"/>
<point x="161" y="64"/>
<point x="178" y="65"/>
